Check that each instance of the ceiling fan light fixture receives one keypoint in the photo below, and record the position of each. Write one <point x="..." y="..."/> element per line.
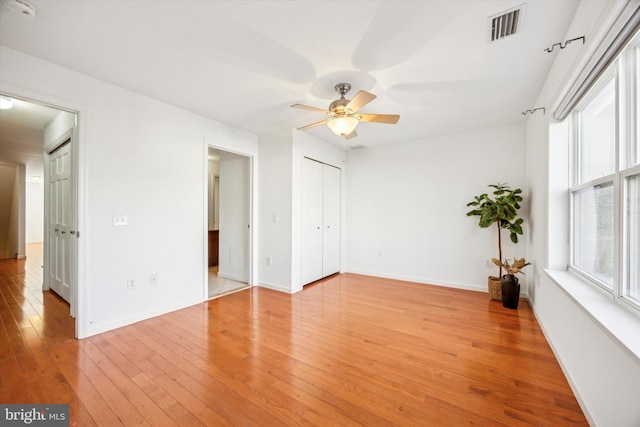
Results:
<point x="344" y="116"/>
<point x="5" y="103"/>
<point x="342" y="126"/>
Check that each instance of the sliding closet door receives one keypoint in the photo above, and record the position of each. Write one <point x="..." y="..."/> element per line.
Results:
<point x="320" y="221"/>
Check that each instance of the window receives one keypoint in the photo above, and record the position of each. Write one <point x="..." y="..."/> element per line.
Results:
<point x="605" y="181"/>
<point x="633" y="225"/>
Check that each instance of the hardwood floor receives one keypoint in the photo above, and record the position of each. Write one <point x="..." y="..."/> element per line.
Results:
<point x="349" y="350"/>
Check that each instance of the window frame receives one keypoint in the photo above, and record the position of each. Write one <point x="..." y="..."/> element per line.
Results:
<point x="625" y="71"/>
<point x="625" y="285"/>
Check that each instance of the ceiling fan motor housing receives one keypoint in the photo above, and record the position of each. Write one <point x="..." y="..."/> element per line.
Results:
<point x="337" y="106"/>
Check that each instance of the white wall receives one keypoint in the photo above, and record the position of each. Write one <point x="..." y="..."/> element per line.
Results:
<point x="281" y="155"/>
<point x="21" y="218"/>
<point x="406" y="208"/>
<point x="35" y="212"/>
<point x="213" y="194"/>
<point x="138" y="157"/>
<point x="9" y="210"/>
<point x="276" y="210"/>
<point x="603" y="373"/>
<point x="234" y="217"/>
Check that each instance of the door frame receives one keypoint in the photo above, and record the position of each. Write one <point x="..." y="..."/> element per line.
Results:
<point x="253" y="231"/>
<point x="79" y="190"/>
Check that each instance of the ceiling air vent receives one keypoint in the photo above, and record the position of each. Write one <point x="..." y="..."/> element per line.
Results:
<point x="506" y="23"/>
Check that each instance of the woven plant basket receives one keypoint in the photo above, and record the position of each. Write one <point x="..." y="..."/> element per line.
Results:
<point x="495" y="288"/>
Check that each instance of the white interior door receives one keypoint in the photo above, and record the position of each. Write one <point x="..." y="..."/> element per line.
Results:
<point x="60" y="242"/>
<point x="331" y="221"/>
<point x="320" y="221"/>
<point x="311" y="221"/>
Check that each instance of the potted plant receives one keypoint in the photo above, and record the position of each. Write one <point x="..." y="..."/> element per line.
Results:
<point x="509" y="283"/>
<point x="500" y="209"/>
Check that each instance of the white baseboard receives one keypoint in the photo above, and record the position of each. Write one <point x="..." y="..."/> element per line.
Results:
<point x="422" y="280"/>
<point x="232" y="277"/>
<point x="275" y="287"/>
<point x="98" y="329"/>
<point x="434" y="282"/>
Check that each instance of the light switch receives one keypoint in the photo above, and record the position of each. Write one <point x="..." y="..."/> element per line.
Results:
<point x="275" y="218"/>
<point x="120" y="219"/>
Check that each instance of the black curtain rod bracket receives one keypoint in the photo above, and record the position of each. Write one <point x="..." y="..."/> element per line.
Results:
<point x="525" y="112"/>
<point x="562" y="46"/>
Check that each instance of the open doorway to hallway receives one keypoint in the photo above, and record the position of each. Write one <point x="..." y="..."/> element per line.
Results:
<point x="42" y="201"/>
<point x="228" y="219"/>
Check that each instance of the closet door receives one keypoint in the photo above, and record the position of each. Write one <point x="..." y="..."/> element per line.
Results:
<point x="331" y="221"/>
<point x="311" y="221"/>
<point x="320" y="254"/>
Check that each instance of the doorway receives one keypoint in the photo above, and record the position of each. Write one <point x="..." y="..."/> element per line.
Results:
<point x="228" y="222"/>
<point x="41" y="139"/>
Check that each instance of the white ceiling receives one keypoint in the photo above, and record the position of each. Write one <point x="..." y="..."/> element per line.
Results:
<point x="245" y="62"/>
<point x="22" y="135"/>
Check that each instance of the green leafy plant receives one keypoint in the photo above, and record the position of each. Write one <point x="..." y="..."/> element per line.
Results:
<point x="500" y="209"/>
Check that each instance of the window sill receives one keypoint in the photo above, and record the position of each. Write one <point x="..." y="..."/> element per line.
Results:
<point x="617" y="321"/>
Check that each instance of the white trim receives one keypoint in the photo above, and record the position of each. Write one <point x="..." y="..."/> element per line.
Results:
<point x="138" y="317"/>
<point x="253" y="228"/>
<point x="81" y="270"/>
<point x="279" y="288"/>
<point x="433" y="282"/>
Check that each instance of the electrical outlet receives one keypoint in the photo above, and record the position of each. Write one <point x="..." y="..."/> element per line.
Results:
<point x="489" y="264"/>
<point x="269" y="260"/>
<point x="153" y="279"/>
<point x="131" y="284"/>
<point x="119" y="219"/>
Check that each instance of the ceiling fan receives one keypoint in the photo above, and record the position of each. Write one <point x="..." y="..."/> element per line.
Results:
<point x="344" y="113"/>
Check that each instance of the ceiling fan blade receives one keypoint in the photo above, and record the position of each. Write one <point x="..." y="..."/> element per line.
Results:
<point x="312" y="125"/>
<point x="351" y="135"/>
<point x="306" y="107"/>
<point x="391" y="119"/>
<point x="361" y="99"/>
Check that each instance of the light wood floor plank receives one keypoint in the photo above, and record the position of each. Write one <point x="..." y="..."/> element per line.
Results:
<point x="349" y="350"/>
